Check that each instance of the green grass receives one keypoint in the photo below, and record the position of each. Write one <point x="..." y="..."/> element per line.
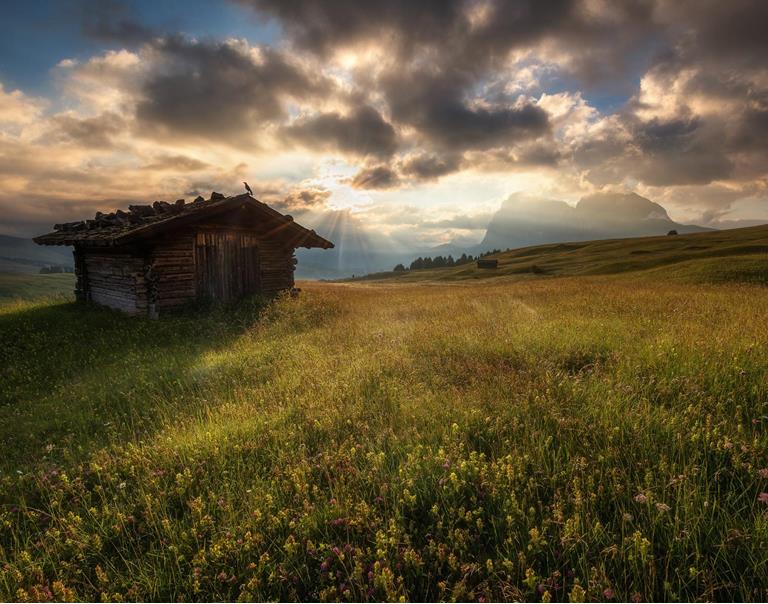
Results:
<point x="748" y="247"/>
<point x="29" y="287"/>
<point x="593" y="438"/>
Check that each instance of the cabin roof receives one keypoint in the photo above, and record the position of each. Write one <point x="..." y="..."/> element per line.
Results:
<point x="147" y="221"/>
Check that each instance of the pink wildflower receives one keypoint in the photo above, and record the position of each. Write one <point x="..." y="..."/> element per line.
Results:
<point x="608" y="593"/>
<point x="763" y="497"/>
<point x="763" y="472"/>
<point x="641" y="498"/>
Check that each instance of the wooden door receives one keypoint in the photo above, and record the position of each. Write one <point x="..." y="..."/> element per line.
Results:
<point x="227" y="265"/>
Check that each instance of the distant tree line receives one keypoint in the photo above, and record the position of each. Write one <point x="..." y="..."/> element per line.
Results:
<point x="442" y="261"/>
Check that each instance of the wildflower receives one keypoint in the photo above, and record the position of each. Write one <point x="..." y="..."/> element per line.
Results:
<point x="608" y="593"/>
<point x="641" y="498"/>
<point x="763" y="473"/>
<point x="763" y="497"/>
<point x="662" y="507"/>
<point x="578" y="594"/>
<point x="446" y="464"/>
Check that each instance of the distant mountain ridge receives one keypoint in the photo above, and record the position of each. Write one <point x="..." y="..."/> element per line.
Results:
<point x="19" y="255"/>
<point x="524" y="221"/>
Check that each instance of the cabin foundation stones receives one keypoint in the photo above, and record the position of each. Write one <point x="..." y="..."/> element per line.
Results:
<point x="156" y="257"/>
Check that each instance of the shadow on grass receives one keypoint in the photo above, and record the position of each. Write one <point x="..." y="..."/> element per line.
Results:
<point x="73" y="376"/>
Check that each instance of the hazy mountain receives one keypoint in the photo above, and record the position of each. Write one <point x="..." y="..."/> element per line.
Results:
<point x="522" y="220"/>
<point x="19" y="255"/>
<point x="357" y="250"/>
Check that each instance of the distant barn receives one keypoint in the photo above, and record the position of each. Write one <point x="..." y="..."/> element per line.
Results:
<point x="487" y="263"/>
<point x="156" y="257"/>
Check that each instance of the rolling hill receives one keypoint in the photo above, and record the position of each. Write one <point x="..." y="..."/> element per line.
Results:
<point x="697" y="256"/>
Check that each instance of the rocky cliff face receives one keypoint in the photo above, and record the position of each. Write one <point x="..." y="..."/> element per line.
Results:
<point x="523" y="220"/>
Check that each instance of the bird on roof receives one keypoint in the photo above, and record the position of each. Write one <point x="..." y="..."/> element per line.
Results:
<point x="248" y="189"/>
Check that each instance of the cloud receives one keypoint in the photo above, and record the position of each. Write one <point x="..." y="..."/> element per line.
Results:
<point x="112" y="21"/>
<point x="397" y="99"/>
<point x="220" y="91"/>
<point x="375" y="177"/>
<point x="466" y="222"/>
<point x="429" y="166"/>
<point x="362" y="132"/>
<point x="304" y="199"/>
<point x="93" y="132"/>
<point x="436" y="110"/>
<point x="17" y="109"/>
<point x="176" y="163"/>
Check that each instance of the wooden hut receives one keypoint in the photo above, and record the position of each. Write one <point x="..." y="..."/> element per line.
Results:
<point x="487" y="263"/>
<point x="156" y="257"/>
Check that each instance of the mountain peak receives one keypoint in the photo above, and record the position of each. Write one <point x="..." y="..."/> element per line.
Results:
<point x="523" y="220"/>
<point x="623" y="206"/>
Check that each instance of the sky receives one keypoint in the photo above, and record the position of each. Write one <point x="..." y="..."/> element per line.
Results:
<point x="411" y="119"/>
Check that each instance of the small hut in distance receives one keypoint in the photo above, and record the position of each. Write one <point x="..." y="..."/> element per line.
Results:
<point x="153" y="258"/>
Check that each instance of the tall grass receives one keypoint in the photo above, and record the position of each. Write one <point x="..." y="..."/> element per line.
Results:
<point x="582" y="439"/>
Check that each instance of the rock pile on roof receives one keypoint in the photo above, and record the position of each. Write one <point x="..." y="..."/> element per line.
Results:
<point x="121" y="227"/>
<point x="137" y="214"/>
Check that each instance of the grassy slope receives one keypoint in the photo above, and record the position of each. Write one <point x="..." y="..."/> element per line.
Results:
<point x="747" y="247"/>
<point x="387" y="440"/>
<point x="29" y="287"/>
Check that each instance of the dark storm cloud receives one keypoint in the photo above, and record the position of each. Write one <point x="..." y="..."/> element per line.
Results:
<point x="218" y="90"/>
<point x="678" y="151"/>
<point x="95" y="132"/>
<point x="304" y="199"/>
<point x="436" y="109"/>
<point x="444" y="51"/>
<point x="323" y="26"/>
<point x="731" y="33"/>
<point x="426" y="166"/>
<point x="112" y="21"/>
<point x="363" y="132"/>
<point x="375" y="177"/>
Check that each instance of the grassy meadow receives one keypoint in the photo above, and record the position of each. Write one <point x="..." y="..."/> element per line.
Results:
<point x="24" y="286"/>
<point x="582" y="438"/>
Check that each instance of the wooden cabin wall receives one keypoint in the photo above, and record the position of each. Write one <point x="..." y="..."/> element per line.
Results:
<point x="81" y="286"/>
<point x="113" y="279"/>
<point x="277" y="266"/>
<point x="228" y="263"/>
<point x="173" y="265"/>
<point x="165" y="273"/>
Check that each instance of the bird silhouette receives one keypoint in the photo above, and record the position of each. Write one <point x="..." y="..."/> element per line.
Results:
<point x="248" y="189"/>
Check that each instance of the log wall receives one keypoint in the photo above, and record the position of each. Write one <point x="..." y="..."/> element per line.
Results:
<point x="277" y="266"/>
<point x="182" y="267"/>
<point x="173" y="265"/>
<point x="113" y="279"/>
